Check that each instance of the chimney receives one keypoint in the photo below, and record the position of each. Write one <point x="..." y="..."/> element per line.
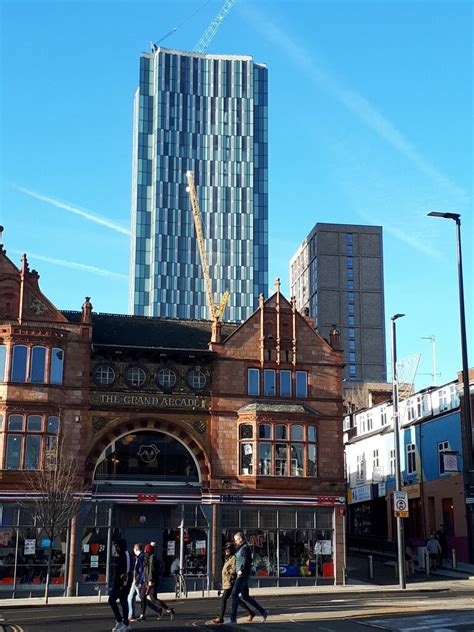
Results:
<point x="335" y="338"/>
<point x="87" y="312"/>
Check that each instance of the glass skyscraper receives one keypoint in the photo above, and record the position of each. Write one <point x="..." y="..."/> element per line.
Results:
<point x="206" y="114"/>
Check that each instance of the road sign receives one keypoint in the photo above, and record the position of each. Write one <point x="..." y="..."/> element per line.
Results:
<point x="400" y="504"/>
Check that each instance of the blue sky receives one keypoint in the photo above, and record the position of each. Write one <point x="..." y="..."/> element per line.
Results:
<point x="370" y="121"/>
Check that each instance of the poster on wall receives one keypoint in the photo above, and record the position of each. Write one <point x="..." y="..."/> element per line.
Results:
<point x="450" y="462"/>
<point x="30" y="547"/>
<point x="94" y="561"/>
<point x="171" y="548"/>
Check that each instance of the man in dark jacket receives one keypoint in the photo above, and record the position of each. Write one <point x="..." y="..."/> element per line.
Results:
<point x="151" y="580"/>
<point x="243" y="558"/>
<point x="121" y="582"/>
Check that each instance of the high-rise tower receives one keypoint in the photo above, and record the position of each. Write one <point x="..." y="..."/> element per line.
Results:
<point x="206" y="114"/>
<point x="337" y="273"/>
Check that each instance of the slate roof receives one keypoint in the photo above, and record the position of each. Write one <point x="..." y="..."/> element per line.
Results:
<point x="150" y="332"/>
<point x="278" y="407"/>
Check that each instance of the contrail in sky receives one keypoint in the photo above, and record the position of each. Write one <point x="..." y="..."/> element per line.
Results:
<point x="74" y="265"/>
<point x="353" y="101"/>
<point x="76" y="210"/>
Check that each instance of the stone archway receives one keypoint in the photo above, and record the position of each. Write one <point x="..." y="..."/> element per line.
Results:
<point x="174" y="430"/>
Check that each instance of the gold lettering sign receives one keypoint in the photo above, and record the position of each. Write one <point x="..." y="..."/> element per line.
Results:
<point x="190" y="402"/>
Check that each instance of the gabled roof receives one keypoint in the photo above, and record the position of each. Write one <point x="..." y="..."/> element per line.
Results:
<point x="149" y="332"/>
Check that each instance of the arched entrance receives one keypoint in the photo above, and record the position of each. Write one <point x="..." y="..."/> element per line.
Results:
<point x="146" y="483"/>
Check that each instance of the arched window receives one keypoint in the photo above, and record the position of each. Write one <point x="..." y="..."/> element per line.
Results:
<point x="147" y="455"/>
<point x="20" y="355"/>
<point x="3" y="362"/>
<point x="38" y="365"/>
<point x="56" y="371"/>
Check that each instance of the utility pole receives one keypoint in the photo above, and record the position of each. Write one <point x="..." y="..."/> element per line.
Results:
<point x="396" y="433"/>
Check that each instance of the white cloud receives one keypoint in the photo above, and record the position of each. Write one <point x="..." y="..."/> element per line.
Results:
<point x="67" y="206"/>
<point x="353" y="101"/>
<point x="74" y="265"/>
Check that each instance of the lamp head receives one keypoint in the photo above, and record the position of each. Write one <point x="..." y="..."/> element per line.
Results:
<point x="454" y="216"/>
<point x="396" y="316"/>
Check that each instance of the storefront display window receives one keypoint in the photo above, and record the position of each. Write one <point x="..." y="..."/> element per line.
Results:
<point x="302" y="546"/>
<point x="33" y="552"/>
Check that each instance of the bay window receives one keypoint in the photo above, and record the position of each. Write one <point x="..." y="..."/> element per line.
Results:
<point x="284" y="449"/>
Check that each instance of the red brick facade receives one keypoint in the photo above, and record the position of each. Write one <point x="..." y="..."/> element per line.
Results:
<point x="218" y="425"/>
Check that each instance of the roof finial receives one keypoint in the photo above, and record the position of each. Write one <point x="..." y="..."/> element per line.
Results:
<point x="277" y="285"/>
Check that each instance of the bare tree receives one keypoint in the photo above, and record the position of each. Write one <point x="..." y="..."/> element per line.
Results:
<point x="356" y="398"/>
<point x="55" y="494"/>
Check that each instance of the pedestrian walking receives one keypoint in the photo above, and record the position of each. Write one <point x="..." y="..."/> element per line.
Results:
<point x="243" y="562"/>
<point x="121" y="583"/>
<point x="137" y="580"/>
<point x="443" y="541"/>
<point x="229" y="575"/>
<point x="151" y="580"/>
<point x="434" y="550"/>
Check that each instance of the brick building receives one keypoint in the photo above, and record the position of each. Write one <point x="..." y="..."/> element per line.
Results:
<point x="185" y="433"/>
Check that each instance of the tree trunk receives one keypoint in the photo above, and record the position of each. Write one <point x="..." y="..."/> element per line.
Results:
<point x="48" y="571"/>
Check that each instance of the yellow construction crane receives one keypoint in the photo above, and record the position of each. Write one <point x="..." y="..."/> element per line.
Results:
<point x="216" y="312"/>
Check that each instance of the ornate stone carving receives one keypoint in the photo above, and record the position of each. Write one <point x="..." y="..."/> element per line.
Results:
<point x="98" y="423"/>
<point x="200" y="426"/>
<point x="37" y="307"/>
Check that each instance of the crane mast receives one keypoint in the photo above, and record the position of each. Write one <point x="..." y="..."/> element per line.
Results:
<point x="216" y="312"/>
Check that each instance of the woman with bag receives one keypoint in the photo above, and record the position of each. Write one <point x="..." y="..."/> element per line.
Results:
<point x="229" y="573"/>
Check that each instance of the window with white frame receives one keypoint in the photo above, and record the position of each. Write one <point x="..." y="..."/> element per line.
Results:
<point x="361" y="423"/>
<point x="443" y="399"/>
<point x="369" y="421"/>
<point x="453" y="396"/>
<point x="392" y="462"/>
<point x="443" y="446"/>
<point x="383" y="416"/>
<point x="411" y="458"/>
<point x="376" y="461"/>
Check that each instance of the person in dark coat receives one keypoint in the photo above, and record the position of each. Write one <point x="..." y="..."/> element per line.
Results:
<point x="443" y="541"/>
<point x="121" y="582"/>
<point x="151" y="580"/>
<point x="229" y="574"/>
<point x="243" y="563"/>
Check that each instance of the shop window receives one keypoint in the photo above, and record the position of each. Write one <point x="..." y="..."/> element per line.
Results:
<point x="18" y="372"/>
<point x="196" y="380"/>
<point x="166" y="378"/>
<point x="264" y="459"/>
<point x="136" y="376"/>
<point x="57" y="362"/>
<point x="104" y="375"/>
<point x="253" y="382"/>
<point x="3" y="362"/>
<point x="285" y="383"/>
<point x="246" y="458"/>
<point x="301" y="384"/>
<point x="38" y="365"/>
<point x="269" y="382"/>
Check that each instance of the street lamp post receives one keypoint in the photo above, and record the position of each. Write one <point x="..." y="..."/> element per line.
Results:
<point x="396" y="438"/>
<point x="468" y="480"/>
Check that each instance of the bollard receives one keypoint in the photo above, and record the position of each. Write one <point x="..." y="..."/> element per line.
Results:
<point x="427" y="562"/>
<point x="453" y="558"/>
<point x="371" y="567"/>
